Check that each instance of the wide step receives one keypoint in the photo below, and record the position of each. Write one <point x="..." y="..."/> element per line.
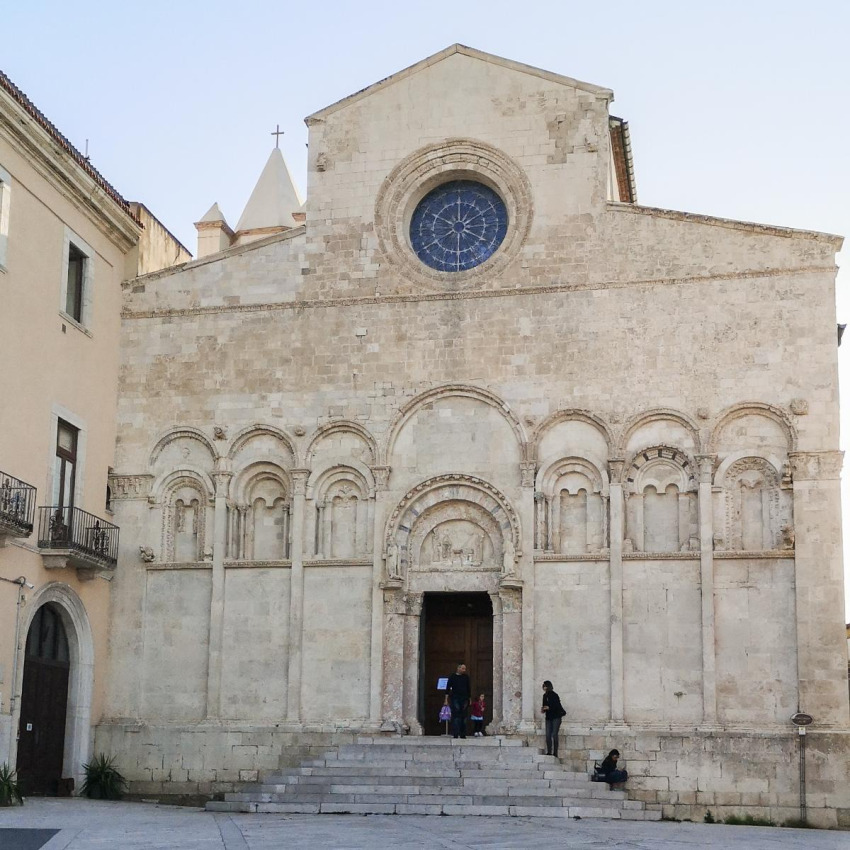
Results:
<point x="434" y="776"/>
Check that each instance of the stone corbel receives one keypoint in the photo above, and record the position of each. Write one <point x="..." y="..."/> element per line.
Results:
<point x="299" y="481"/>
<point x="706" y="464"/>
<point x="528" y="470"/>
<point x="615" y="469"/>
<point x="382" y="477"/>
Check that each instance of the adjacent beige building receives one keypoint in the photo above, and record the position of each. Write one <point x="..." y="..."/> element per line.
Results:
<point x="67" y="241"/>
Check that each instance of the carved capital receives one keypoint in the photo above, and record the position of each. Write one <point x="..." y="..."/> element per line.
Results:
<point x="527" y="472"/>
<point x="706" y="467"/>
<point x="816" y="466"/>
<point x="382" y="476"/>
<point x="413" y="603"/>
<point x="299" y="481"/>
<point x="394" y="601"/>
<point x="511" y="599"/>
<point x="615" y="469"/>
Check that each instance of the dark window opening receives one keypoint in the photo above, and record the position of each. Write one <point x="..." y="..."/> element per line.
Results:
<point x="76" y="275"/>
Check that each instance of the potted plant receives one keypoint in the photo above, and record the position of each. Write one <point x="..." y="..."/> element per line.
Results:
<point x="103" y="780"/>
<point x="10" y="792"/>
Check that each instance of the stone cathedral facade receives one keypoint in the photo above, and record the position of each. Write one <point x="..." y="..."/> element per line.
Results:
<point x="472" y="368"/>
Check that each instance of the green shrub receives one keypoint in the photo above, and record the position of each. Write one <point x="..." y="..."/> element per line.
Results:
<point x="10" y="792"/>
<point x="103" y="780"/>
<point x="747" y="820"/>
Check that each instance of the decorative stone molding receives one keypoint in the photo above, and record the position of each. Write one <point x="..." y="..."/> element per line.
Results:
<point x="816" y="466"/>
<point x="299" y="481"/>
<point x="511" y="599"/>
<point x="527" y="470"/>
<point x="429" y="167"/>
<point x="126" y="487"/>
<point x="660" y="453"/>
<point x="382" y="477"/>
<point x="341" y="425"/>
<point x="443" y="488"/>
<point x="146" y="554"/>
<point x="799" y="406"/>
<point x="749" y="409"/>
<point x="706" y="464"/>
<point x="615" y="467"/>
<point x="656" y="415"/>
<point x="178" y="433"/>
<point x="219" y="432"/>
<point x="566" y="415"/>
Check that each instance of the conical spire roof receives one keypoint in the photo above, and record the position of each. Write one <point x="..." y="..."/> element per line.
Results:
<point x="274" y="198"/>
<point x="214" y="213"/>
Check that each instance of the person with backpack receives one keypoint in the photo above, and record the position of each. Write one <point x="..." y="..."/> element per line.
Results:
<point x="553" y="711"/>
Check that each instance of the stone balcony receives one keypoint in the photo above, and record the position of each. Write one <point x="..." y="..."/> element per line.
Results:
<point x="73" y="538"/>
<point x="17" y="507"/>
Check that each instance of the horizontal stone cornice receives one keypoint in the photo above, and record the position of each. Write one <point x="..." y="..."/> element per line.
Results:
<point x="356" y="301"/>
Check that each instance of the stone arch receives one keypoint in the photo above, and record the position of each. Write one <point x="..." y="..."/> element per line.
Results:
<point x="257" y="430"/>
<point x="571" y="501"/>
<point x="757" y="409"/>
<point x="166" y="482"/>
<point x="340" y="426"/>
<point x="566" y="416"/>
<point x="661" y="509"/>
<point x="406" y="411"/>
<point x="342" y="494"/>
<point x="756" y="510"/>
<point x="181" y="432"/>
<point x="482" y="497"/>
<point x="180" y="534"/>
<point x="658" y="415"/>
<point x="259" y="512"/>
<point x="78" y="714"/>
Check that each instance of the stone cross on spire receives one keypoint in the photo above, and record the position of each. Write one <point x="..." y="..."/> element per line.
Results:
<point x="277" y="134"/>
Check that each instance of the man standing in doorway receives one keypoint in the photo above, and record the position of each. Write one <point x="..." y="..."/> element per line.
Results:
<point x="459" y="691"/>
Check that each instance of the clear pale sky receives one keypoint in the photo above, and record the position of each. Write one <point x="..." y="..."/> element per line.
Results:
<point x="737" y="109"/>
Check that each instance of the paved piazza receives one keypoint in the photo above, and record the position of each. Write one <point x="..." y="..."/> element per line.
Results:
<point x="93" y="825"/>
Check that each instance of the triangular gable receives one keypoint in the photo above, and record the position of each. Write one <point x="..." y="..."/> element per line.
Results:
<point x="466" y="51"/>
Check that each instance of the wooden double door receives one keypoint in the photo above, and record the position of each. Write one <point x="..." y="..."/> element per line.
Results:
<point x="456" y="628"/>
<point x="44" y="702"/>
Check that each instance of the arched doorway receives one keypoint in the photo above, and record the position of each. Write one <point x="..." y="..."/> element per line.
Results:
<point x="44" y="702"/>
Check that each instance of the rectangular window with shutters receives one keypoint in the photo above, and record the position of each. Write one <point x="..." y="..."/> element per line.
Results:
<point x="65" y="465"/>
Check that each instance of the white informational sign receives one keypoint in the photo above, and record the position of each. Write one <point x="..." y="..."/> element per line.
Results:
<point x="443" y="683"/>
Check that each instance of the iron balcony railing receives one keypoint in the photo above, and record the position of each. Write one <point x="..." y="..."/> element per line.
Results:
<point x="89" y="536"/>
<point x="17" y="506"/>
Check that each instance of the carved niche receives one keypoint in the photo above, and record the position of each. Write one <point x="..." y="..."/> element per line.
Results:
<point x="758" y="510"/>
<point x="259" y="517"/>
<point x="661" y="511"/>
<point x="342" y="528"/>
<point x="184" y="521"/>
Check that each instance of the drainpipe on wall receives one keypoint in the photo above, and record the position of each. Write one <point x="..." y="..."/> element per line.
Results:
<point x="21" y="582"/>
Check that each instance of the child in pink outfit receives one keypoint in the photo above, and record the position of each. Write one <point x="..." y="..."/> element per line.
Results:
<point x="479" y="706"/>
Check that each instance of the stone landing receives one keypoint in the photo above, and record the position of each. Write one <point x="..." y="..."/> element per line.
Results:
<point x="436" y="776"/>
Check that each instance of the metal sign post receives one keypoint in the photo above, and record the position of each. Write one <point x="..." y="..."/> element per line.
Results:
<point x="801" y="721"/>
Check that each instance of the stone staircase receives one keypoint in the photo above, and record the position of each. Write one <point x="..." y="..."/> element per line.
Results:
<point x="435" y="776"/>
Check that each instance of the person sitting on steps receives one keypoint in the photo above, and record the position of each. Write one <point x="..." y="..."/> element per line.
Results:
<point x="609" y="772"/>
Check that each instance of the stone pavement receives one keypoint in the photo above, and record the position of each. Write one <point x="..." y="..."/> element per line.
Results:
<point x="96" y="825"/>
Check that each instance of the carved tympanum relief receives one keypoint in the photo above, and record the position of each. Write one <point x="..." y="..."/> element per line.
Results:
<point x="757" y="509"/>
<point x="456" y="536"/>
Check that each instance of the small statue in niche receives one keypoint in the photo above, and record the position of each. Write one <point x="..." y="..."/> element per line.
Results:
<point x="393" y="568"/>
<point x="146" y="554"/>
<point x="788" y="537"/>
<point x="509" y="557"/>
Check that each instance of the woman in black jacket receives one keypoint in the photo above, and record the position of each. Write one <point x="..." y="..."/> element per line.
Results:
<point x="553" y="711"/>
<point x="609" y="772"/>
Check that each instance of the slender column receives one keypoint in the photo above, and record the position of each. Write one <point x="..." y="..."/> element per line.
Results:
<point x="329" y="519"/>
<point x="617" y="528"/>
<point x="296" y="596"/>
<point x="496" y="601"/>
<point x="381" y="474"/>
<point x="539" y="521"/>
<point x="392" y="701"/>
<point x="819" y="586"/>
<point x="241" y="532"/>
<point x="221" y="478"/>
<point x="412" y="624"/>
<point x="511" y="605"/>
<point x="319" y="536"/>
<point x="527" y="573"/>
<point x="706" y="569"/>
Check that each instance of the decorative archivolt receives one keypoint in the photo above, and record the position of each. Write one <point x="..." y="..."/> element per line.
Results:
<point x="406" y="411"/>
<point x="246" y="434"/>
<point x="246" y="480"/>
<point x="336" y="427"/>
<point x="571" y="415"/>
<point x="754" y="409"/>
<point x="553" y="470"/>
<point x="659" y="467"/>
<point x="325" y="475"/>
<point x="165" y="485"/>
<point x="181" y="433"/>
<point x="474" y="507"/>
<point x="185" y="497"/>
<point x="658" y="415"/>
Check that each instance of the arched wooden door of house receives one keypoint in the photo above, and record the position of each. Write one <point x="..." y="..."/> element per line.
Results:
<point x="44" y="703"/>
